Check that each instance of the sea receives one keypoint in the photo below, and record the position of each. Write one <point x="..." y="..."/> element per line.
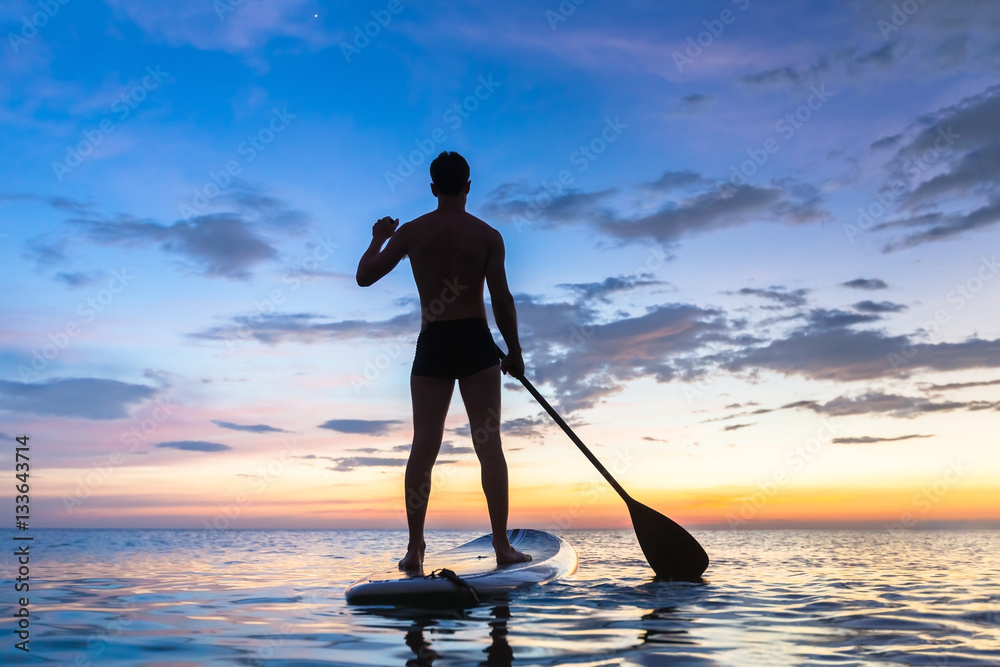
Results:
<point x="276" y="597"/>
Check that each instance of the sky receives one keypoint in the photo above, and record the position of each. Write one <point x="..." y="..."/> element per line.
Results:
<point x="753" y="247"/>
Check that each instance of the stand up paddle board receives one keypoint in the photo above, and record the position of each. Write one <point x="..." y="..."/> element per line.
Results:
<point x="465" y="574"/>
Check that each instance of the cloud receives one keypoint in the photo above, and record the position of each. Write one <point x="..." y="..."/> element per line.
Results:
<point x="827" y="348"/>
<point x="870" y="402"/>
<point x="711" y="209"/>
<point x="787" y="299"/>
<point x="693" y="104"/>
<point x="194" y="445"/>
<point x="223" y="245"/>
<point x="940" y="226"/>
<point x="846" y="63"/>
<point x="227" y="243"/>
<point x="447" y="447"/>
<point x="600" y="290"/>
<point x="45" y="251"/>
<point x="675" y="180"/>
<point x="894" y="405"/>
<point x="256" y="428"/>
<point x="235" y="27"/>
<point x="794" y="76"/>
<point x="959" y="385"/>
<point x="86" y="398"/>
<point x="880" y="307"/>
<point x="79" y="278"/>
<point x="866" y="284"/>
<point x="4" y="436"/>
<point x="866" y="440"/>
<point x="350" y="463"/>
<point x="964" y="140"/>
<point x="275" y="328"/>
<point x="536" y="205"/>
<point x="525" y="427"/>
<point x="886" y="142"/>
<point x="362" y="426"/>
<point x="586" y="359"/>
<point x="570" y="346"/>
<point x="57" y="202"/>
<point x="373" y="457"/>
<point x="736" y="427"/>
<point x="823" y="318"/>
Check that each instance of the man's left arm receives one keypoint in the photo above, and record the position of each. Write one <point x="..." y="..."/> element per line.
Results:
<point x="377" y="262"/>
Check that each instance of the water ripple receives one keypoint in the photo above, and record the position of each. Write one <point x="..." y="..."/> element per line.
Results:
<point x="276" y="598"/>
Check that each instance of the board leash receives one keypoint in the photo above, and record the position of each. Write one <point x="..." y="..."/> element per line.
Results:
<point x="445" y="573"/>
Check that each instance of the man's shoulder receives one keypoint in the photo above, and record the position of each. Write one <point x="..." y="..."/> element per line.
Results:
<point x="484" y="226"/>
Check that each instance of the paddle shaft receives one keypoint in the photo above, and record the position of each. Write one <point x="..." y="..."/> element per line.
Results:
<point x="572" y="436"/>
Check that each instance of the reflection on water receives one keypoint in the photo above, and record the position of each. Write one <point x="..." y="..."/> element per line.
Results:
<point x="424" y="624"/>
<point x="276" y="598"/>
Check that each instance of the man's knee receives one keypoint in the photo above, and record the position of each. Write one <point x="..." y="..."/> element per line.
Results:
<point x="489" y="451"/>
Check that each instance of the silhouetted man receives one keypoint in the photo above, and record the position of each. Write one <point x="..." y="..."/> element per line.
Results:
<point x="452" y="254"/>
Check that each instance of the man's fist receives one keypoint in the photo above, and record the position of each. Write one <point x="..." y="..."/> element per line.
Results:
<point x="384" y="227"/>
<point x="513" y="365"/>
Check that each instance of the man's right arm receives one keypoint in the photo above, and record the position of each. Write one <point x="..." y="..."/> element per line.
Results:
<point x="503" y="307"/>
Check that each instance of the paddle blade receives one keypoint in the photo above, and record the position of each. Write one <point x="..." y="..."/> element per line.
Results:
<point x="671" y="551"/>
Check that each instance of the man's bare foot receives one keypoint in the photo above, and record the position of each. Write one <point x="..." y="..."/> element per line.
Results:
<point x="414" y="558"/>
<point x="508" y="554"/>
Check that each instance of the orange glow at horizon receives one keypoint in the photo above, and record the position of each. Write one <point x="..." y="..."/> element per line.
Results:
<point x="462" y="506"/>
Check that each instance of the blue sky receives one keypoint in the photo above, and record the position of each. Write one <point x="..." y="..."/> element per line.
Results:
<point x="725" y="223"/>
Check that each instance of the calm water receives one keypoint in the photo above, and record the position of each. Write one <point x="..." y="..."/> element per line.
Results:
<point x="276" y="597"/>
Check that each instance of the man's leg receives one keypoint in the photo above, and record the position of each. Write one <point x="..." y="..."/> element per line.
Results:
<point x="481" y="394"/>
<point x="431" y="397"/>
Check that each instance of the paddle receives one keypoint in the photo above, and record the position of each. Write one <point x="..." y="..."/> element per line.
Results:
<point x="671" y="551"/>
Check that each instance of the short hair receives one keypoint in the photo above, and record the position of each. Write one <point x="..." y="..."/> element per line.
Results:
<point x="450" y="173"/>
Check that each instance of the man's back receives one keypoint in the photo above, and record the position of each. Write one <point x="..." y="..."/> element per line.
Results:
<point x="452" y="254"/>
<point x="449" y="253"/>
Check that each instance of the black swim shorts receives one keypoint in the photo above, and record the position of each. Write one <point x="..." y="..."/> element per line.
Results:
<point x="454" y="348"/>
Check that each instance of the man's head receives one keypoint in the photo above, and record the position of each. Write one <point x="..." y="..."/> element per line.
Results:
<point x="450" y="175"/>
